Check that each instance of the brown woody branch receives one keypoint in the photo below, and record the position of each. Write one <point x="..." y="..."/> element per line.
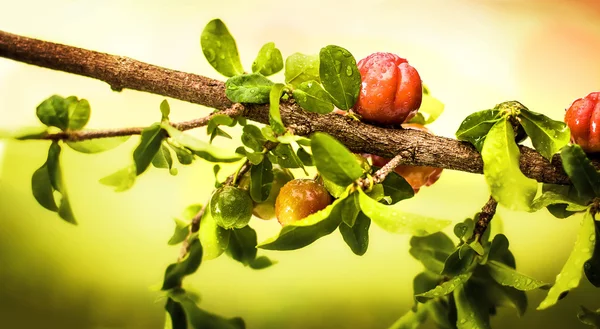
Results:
<point x="485" y="217"/>
<point x="415" y="147"/>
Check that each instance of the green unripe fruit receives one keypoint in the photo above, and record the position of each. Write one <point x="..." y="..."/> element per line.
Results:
<point x="266" y="209"/>
<point x="231" y="207"/>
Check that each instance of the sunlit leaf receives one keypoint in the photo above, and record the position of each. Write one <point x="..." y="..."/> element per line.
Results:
<point x="121" y="180"/>
<point x="219" y="48"/>
<point x="547" y="136"/>
<point x="248" y="88"/>
<point x="582" y="173"/>
<point x="97" y="145"/>
<point x="445" y="288"/>
<point x="476" y="126"/>
<point x="334" y="161"/>
<point x="339" y="75"/>
<point x="150" y="143"/>
<point x="268" y="61"/>
<point x="311" y="96"/>
<point x="507" y="276"/>
<point x="200" y="148"/>
<point x="300" y="68"/>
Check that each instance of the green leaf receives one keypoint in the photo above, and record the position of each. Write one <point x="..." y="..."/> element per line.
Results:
<point x="274" y="115"/>
<point x="214" y="238"/>
<point x="592" y="266"/>
<point x="501" y="169"/>
<point x="220" y="49"/>
<point x="242" y="245"/>
<point x="24" y="133"/>
<point x="411" y="319"/>
<point x="305" y="157"/>
<point x="444" y="289"/>
<point x="97" y="145"/>
<point x="261" y="262"/>
<point x="252" y="137"/>
<point x="464" y="230"/>
<point x="394" y="220"/>
<point x="254" y="157"/>
<point x="311" y="96"/>
<point x="589" y="317"/>
<point x="42" y="188"/>
<point x="568" y="192"/>
<point x="53" y="112"/>
<point x="507" y="276"/>
<point x="300" y="68"/>
<point x="182" y="228"/>
<point x="162" y="159"/>
<point x="397" y="188"/>
<point x="339" y="75"/>
<point x="248" y="88"/>
<point x="202" y="149"/>
<point x="149" y="145"/>
<point x="432" y="250"/>
<point x="552" y="198"/>
<point x="200" y="319"/>
<point x="286" y="157"/>
<point x="184" y="156"/>
<point x="582" y="173"/>
<point x="121" y="180"/>
<point x="425" y="281"/>
<point x="571" y="273"/>
<point x="165" y="110"/>
<point x="268" y="61"/>
<point x="333" y="160"/>
<point x="261" y="180"/>
<point x="350" y="209"/>
<point x="176" y="315"/>
<point x="459" y="262"/>
<point x="357" y="236"/>
<point x="177" y="271"/>
<point x="79" y="112"/>
<point x="499" y="295"/>
<point x="499" y="251"/>
<point x="547" y="136"/>
<point x="475" y="127"/>
<point x="473" y="313"/>
<point x="432" y="107"/>
<point x="307" y="230"/>
<point x="56" y="183"/>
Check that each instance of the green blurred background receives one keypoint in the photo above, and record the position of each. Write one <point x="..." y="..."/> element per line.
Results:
<point x="103" y="273"/>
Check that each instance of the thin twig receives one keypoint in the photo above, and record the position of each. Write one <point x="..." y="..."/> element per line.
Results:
<point x="485" y="217"/>
<point x="382" y="173"/>
<point x="79" y="135"/>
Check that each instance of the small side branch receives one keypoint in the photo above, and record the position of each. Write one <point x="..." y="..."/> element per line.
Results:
<point x="382" y="173"/>
<point x="485" y="217"/>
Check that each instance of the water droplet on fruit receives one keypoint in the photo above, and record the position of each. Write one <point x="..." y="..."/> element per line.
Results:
<point x="210" y="55"/>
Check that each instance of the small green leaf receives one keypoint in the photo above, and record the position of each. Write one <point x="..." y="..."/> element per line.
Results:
<point x="165" y="110"/>
<point x="357" y="236"/>
<point x="177" y="271"/>
<point x="350" y="209"/>
<point x="501" y="169"/>
<point x="307" y="230"/>
<point x="507" y="276"/>
<point x="444" y="289"/>
<point x="42" y="188"/>
<point x="582" y="173"/>
<point x="252" y="137"/>
<point x="149" y="145"/>
<point x="261" y="180"/>
<point x="201" y="319"/>
<point x="242" y="245"/>
<point x="460" y="261"/>
<point x="589" y="317"/>
<point x="200" y="148"/>
<point x="552" y="198"/>
<point x="571" y="273"/>
<point x="268" y="61"/>
<point x="432" y="250"/>
<point x="591" y="267"/>
<point x="339" y="75"/>
<point x="305" y="157"/>
<point x="397" y="188"/>
<point x="214" y="238"/>
<point x="464" y="230"/>
<point x="475" y="127"/>
<point x="261" y="262"/>
<point x="176" y="315"/>
<point x="547" y="136"/>
<point x="432" y="107"/>
<point x="121" y="180"/>
<point x="499" y="251"/>
<point x="248" y="88"/>
<point x="162" y="158"/>
<point x="219" y="120"/>
<point x="425" y="281"/>
<point x="394" y="220"/>
<point x="97" y="145"/>
<point x="79" y="112"/>
<point x="286" y="157"/>
<point x="53" y="112"/>
<point x="300" y="68"/>
<point x="411" y="319"/>
<point x="311" y="96"/>
<point x="274" y="115"/>
<point x="334" y="161"/>
<point x="472" y="311"/>
<point x="499" y="295"/>
<point x="268" y="134"/>
<point x="182" y="229"/>
<point x="254" y="157"/>
<point x="219" y="48"/>
<point x="184" y="156"/>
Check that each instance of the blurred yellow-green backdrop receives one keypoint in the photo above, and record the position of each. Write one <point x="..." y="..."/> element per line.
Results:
<point x="104" y="272"/>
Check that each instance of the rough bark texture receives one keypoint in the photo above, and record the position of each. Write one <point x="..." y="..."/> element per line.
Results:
<point x="416" y="147"/>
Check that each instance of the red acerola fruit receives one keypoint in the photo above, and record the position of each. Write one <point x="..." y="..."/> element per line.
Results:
<point x="583" y="118"/>
<point x="299" y="198"/>
<point x="416" y="176"/>
<point x="391" y="90"/>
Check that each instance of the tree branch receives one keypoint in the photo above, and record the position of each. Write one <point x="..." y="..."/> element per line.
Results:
<point x="416" y="148"/>
<point x="485" y="217"/>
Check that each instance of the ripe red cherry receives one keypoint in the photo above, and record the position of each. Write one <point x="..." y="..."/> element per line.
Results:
<point x="299" y="198"/>
<point x="416" y="176"/>
<point x="583" y="118"/>
<point x="391" y="89"/>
